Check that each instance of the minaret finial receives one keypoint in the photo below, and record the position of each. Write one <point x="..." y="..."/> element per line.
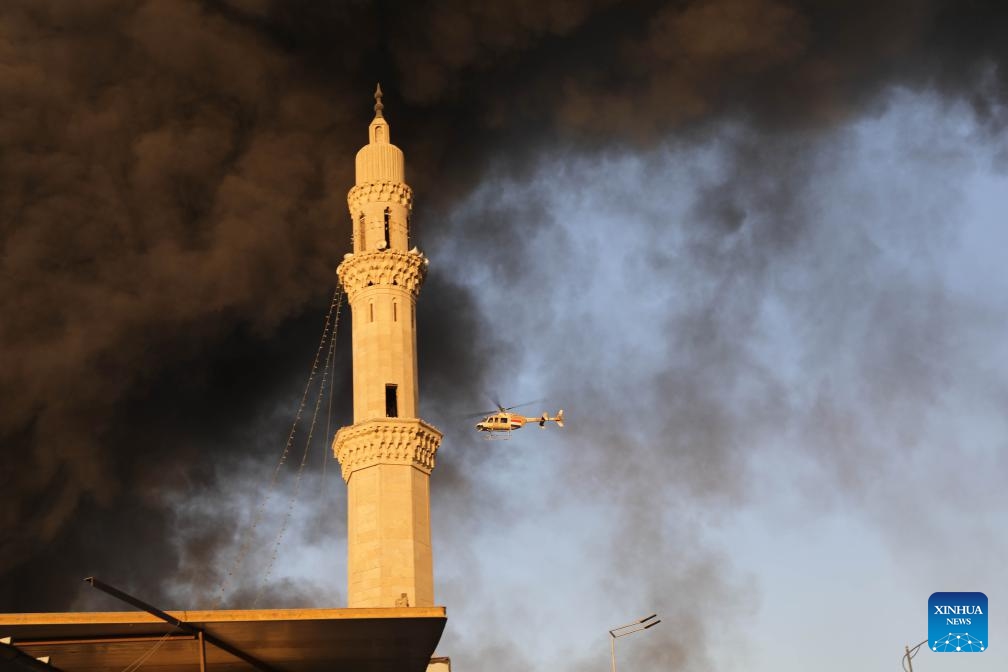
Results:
<point x="378" y="107"/>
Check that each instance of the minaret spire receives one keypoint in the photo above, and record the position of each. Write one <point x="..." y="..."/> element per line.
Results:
<point x="378" y="131"/>
<point x="378" y="106"/>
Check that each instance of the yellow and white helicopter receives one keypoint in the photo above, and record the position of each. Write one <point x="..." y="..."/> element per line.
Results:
<point x="503" y="421"/>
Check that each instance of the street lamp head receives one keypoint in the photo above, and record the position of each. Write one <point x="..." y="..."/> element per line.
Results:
<point x="629" y="629"/>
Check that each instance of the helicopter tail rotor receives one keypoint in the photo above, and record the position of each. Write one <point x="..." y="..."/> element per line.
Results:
<point x="544" y="418"/>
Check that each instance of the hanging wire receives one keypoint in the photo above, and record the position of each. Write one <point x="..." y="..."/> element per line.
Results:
<point x="146" y="655"/>
<point x="304" y="460"/>
<point x="334" y="306"/>
<point x="327" y="446"/>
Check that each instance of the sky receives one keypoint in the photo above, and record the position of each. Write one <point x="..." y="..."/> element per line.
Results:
<point x="753" y="249"/>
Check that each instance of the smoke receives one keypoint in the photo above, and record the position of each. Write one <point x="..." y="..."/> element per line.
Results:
<point x="171" y="207"/>
<point x="730" y="335"/>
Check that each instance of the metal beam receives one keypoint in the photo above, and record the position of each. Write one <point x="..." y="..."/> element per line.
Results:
<point x="181" y="625"/>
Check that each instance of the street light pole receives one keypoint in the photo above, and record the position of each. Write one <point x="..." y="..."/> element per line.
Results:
<point x="907" y="661"/>
<point x="629" y="629"/>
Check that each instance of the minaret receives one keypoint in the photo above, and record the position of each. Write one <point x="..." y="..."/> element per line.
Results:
<point x="387" y="455"/>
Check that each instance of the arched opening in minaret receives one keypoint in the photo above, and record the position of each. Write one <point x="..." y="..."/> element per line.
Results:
<point x="360" y="231"/>
<point x="391" y="401"/>
<point x="388" y="214"/>
<point x="395" y="311"/>
<point x="371" y="306"/>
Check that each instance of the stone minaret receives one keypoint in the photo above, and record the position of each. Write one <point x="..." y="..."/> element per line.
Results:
<point x="388" y="453"/>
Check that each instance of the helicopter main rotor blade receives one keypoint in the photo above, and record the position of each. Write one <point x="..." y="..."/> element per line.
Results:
<point x="527" y="403"/>
<point x="493" y="399"/>
<point x="482" y="414"/>
<point x="501" y="408"/>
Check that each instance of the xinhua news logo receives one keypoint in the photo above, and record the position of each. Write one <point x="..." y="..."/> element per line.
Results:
<point x="957" y="622"/>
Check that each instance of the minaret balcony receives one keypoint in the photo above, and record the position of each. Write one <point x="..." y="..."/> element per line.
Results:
<point x="379" y="192"/>
<point x="406" y="441"/>
<point x="382" y="268"/>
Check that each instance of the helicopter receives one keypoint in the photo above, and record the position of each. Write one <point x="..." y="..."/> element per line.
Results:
<point x="503" y="420"/>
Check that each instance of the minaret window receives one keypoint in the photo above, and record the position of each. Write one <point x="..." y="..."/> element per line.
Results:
<point x="387" y="215"/>
<point x="395" y="312"/>
<point x="371" y="306"/>
<point x="391" y="401"/>
<point x="360" y="230"/>
<point x="409" y="221"/>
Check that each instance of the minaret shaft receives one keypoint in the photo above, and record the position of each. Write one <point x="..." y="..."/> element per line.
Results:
<point x="384" y="354"/>
<point x="387" y="455"/>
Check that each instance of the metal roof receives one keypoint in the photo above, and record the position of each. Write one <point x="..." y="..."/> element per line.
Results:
<point x="400" y="639"/>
